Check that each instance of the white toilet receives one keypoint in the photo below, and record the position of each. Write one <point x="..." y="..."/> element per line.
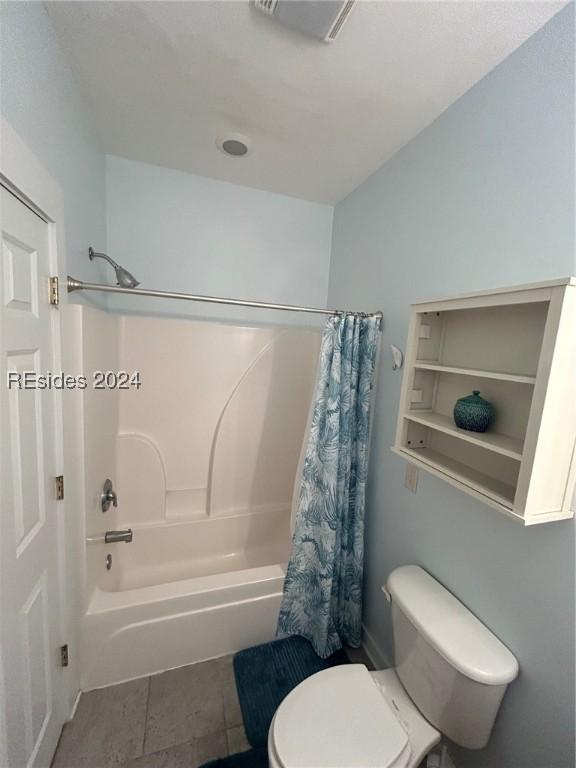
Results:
<point x="450" y="676"/>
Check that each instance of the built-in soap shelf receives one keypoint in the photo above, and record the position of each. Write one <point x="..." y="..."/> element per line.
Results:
<point x="518" y="348"/>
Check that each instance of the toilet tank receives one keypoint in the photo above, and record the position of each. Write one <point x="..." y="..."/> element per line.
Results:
<point x="454" y="669"/>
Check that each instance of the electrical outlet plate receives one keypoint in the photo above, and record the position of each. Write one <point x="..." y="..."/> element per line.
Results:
<point x="411" y="477"/>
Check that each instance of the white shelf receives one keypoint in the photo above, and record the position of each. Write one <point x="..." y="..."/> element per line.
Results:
<point x="423" y="365"/>
<point x="462" y="473"/>
<point x="517" y="346"/>
<point x="492" y="441"/>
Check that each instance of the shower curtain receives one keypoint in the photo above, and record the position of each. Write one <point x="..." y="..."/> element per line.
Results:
<point x="322" y="598"/>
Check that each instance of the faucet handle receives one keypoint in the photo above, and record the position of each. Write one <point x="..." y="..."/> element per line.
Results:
<point x="108" y="496"/>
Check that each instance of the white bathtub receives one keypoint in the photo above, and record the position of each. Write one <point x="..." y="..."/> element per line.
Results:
<point x="185" y="592"/>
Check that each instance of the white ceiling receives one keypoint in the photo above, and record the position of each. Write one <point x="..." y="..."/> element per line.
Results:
<point x="164" y="80"/>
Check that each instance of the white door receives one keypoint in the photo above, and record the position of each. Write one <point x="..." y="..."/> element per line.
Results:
<point x="30" y="611"/>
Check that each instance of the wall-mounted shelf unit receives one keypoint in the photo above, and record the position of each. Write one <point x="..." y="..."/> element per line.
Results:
<point x="518" y="347"/>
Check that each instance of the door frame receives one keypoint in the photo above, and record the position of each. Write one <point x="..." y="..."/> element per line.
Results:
<point x="24" y="176"/>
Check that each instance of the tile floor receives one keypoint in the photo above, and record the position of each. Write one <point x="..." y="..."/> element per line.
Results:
<point x="178" y="719"/>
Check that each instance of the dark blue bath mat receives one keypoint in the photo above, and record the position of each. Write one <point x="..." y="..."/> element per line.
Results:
<point x="254" y="758"/>
<point x="267" y="673"/>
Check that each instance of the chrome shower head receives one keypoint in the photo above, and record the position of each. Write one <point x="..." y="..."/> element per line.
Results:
<point x="124" y="278"/>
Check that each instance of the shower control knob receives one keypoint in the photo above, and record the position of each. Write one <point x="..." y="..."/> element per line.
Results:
<point x="108" y="496"/>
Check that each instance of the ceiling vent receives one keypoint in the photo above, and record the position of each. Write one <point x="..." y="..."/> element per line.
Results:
<point x="322" y="19"/>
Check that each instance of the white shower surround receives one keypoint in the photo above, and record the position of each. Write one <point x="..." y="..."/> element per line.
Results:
<point x="161" y="554"/>
<point x="204" y="458"/>
<point x="217" y="425"/>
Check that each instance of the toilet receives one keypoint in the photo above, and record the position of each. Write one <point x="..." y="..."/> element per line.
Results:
<point x="449" y="678"/>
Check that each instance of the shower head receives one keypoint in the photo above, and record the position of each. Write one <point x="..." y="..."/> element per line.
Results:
<point x="125" y="279"/>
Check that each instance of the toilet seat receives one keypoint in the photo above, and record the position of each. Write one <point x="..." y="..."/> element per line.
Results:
<point x="338" y="718"/>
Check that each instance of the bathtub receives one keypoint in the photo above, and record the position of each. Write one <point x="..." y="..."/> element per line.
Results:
<point x="185" y="592"/>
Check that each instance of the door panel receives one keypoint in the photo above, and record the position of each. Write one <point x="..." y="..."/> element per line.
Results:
<point x="30" y="616"/>
<point x="26" y="453"/>
<point x="20" y="270"/>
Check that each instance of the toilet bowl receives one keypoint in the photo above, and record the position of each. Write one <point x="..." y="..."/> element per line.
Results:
<point x="348" y="717"/>
<point x="450" y="676"/>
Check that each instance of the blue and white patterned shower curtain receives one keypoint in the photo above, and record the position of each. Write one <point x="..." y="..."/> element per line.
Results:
<point x="322" y="598"/>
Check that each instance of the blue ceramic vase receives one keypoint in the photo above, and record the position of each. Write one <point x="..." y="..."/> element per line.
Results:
<point x="474" y="413"/>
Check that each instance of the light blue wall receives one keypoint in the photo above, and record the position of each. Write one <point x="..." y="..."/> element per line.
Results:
<point x="483" y="197"/>
<point x="181" y="232"/>
<point x="40" y="100"/>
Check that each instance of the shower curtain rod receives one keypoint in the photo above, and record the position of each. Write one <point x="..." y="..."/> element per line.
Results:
<point x="79" y="285"/>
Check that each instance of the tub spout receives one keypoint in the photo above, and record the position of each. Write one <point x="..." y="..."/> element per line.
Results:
<point x="113" y="537"/>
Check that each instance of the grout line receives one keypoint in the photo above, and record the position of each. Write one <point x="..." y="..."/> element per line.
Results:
<point x="228" y="753"/>
<point x="146" y="714"/>
<point x="223" y="683"/>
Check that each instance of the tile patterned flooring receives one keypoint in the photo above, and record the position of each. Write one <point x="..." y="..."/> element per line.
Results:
<point x="177" y="719"/>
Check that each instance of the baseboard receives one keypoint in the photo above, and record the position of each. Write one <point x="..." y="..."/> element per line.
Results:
<point x="373" y="650"/>
<point x="447" y="761"/>
<point x="440" y="757"/>
<point x="75" y="705"/>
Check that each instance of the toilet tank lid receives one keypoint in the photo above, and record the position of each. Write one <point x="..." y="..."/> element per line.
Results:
<point x="450" y="628"/>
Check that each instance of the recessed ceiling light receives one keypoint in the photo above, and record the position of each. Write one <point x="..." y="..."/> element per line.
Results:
<point x="233" y="146"/>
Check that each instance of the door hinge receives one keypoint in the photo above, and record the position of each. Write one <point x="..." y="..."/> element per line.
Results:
<point x="59" y="487"/>
<point x="54" y="291"/>
<point x="64" y="659"/>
